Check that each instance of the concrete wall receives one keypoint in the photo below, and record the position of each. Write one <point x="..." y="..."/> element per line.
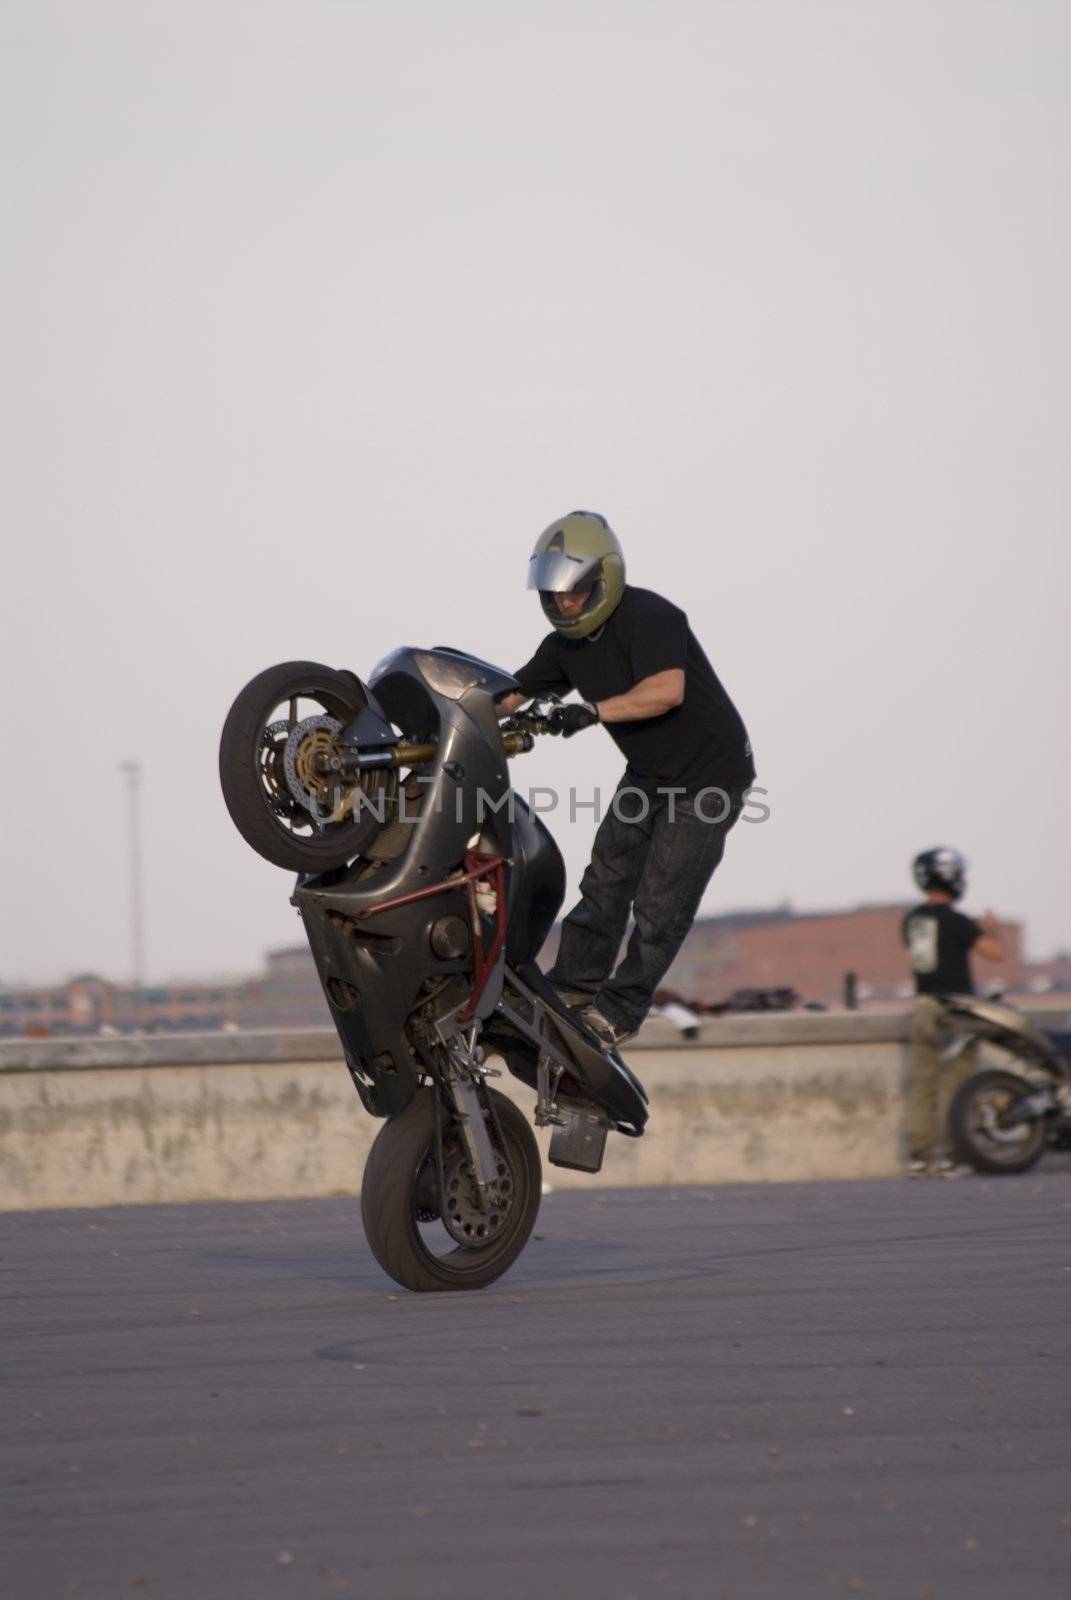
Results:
<point x="104" y="1121"/>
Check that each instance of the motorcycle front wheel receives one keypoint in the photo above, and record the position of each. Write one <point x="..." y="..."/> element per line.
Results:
<point x="414" y="1223"/>
<point x="983" y="1130"/>
<point x="278" y="729"/>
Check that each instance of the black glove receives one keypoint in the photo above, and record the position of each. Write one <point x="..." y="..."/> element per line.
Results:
<point x="572" y="718"/>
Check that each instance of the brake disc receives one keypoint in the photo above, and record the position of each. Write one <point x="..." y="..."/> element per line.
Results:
<point x="461" y="1214"/>
<point x="308" y="739"/>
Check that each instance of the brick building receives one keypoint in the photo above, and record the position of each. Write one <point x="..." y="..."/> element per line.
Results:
<point x="777" y="949"/>
<point x="287" y="994"/>
<point x="89" y="1004"/>
<point x="812" y="953"/>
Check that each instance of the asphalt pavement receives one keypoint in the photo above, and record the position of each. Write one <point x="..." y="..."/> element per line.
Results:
<point x="743" y="1392"/>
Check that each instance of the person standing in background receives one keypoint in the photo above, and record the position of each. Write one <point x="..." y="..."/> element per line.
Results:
<point x="940" y="941"/>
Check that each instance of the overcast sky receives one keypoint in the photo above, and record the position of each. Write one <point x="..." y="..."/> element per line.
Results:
<point x="318" y="313"/>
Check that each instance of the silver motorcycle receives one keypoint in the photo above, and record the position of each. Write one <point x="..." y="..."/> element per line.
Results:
<point x="1003" y="1118"/>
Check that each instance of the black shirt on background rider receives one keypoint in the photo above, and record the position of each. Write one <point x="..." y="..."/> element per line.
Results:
<point x="939" y="940"/>
<point x="700" y="743"/>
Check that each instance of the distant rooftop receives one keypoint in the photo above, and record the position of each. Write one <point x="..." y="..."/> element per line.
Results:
<point x="738" y="920"/>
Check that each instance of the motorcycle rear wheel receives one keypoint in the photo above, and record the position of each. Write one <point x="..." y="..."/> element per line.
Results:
<point x="253" y="754"/>
<point x="400" y="1179"/>
<point x="977" y="1134"/>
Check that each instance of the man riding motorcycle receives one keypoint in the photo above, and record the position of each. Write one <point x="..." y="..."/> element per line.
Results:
<point x="641" y="672"/>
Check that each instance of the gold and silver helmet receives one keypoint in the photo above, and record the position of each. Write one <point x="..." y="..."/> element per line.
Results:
<point x="580" y="551"/>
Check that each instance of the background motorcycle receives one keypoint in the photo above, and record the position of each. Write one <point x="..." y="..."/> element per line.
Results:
<point x="426" y="889"/>
<point x="1002" y="1119"/>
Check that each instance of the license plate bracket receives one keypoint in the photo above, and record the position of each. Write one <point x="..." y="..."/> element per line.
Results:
<point x="579" y="1140"/>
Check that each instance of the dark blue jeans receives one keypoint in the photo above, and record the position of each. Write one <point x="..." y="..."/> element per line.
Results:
<point x="657" y="867"/>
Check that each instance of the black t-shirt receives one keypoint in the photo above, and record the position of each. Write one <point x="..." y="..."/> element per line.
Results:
<point x="699" y="743"/>
<point x="938" y="940"/>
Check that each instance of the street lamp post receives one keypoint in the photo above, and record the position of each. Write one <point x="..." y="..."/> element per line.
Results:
<point x="131" y="770"/>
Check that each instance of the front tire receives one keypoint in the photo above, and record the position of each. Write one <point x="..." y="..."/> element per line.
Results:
<point x="400" y="1196"/>
<point x="978" y="1129"/>
<point x="254" y="749"/>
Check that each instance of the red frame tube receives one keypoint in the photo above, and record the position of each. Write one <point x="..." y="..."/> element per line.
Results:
<point x="476" y="866"/>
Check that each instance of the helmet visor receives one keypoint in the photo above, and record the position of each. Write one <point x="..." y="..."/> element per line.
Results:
<point x="557" y="573"/>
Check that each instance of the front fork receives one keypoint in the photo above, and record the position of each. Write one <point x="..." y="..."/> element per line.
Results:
<point x="472" y="1125"/>
<point x="463" y="1084"/>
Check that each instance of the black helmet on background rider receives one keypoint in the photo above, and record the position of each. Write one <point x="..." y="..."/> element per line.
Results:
<point x="580" y="551"/>
<point x="943" y="869"/>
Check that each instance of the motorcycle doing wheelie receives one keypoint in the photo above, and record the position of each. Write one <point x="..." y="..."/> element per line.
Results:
<point x="1002" y="1118"/>
<point x="426" y="887"/>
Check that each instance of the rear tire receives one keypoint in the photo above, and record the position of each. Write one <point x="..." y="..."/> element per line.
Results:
<point x="395" y="1189"/>
<point x="256" y="794"/>
<point x="974" y="1125"/>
